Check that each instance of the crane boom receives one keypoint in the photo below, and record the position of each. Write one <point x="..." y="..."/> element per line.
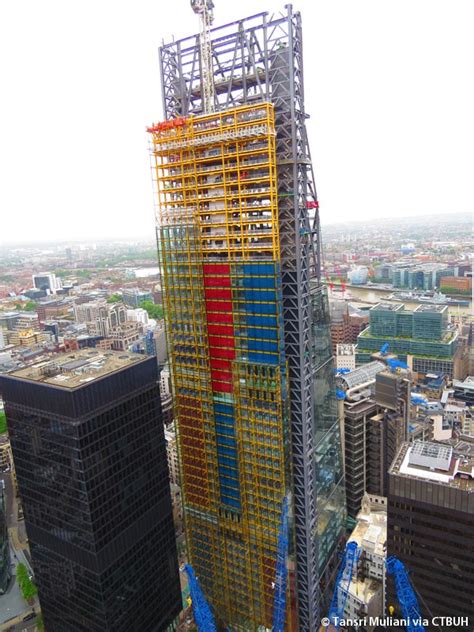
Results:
<point x="202" y="613"/>
<point x="343" y="581"/>
<point x="279" y="599"/>
<point x="405" y="594"/>
<point x="204" y="9"/>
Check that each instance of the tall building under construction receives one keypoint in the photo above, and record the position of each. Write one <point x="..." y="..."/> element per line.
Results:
<point x="247" y="317"/>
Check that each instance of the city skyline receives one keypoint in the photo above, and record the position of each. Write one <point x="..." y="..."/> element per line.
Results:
<point x="86" y="162"/>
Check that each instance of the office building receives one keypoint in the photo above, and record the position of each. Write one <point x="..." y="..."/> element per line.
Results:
<point x="376" y="410"/>
<point x="46" y="281"/>
<point x="431" y="522"/>
<point x="346" y="356"/>
<point x="100" y="317"/>
<point x="422" y="337"/>
<point x="90" y="458"/>
<point x="134" y="297"/>
<point x="248" y="321"/>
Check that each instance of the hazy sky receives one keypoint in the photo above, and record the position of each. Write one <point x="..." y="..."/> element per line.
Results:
<point x="389" y="87"/>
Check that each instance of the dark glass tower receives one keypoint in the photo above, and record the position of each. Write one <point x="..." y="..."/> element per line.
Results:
<point x="90" y="458"/>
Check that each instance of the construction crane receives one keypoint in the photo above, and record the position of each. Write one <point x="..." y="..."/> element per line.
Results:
<point x="204" y="9"/>
<point x="405" y="595"/>
<point x="395" y="365"/>
<point x="343" y="581"/>
<point x="202" y="613"/>
<point x="279" y="597"/>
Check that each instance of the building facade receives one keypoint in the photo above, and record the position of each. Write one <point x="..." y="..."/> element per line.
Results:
<point x="430" y="526"/>
<point x="246" y="318"/>
<point x="90" y="460"/>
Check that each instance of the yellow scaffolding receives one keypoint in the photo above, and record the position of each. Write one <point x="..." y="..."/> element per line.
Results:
<point x="217" y="217"/>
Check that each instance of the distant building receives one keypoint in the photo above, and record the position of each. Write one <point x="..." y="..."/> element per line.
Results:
<point x="359" y="275"/>
<point x="430" y="525"/>
<point x="345" y="356"/>
<point x="340" y="325"/>
<point x="101" y="317"/>
<point x="46" y="281"/>
<point x="375" y="410"/>
<point x="134" y="297"/>
<point x="90" y="458"/>
<point x="2" y="340"/>
<point x="456" y="285"/>
<point x="138" y="315"/>
<point x="423" y="337"/>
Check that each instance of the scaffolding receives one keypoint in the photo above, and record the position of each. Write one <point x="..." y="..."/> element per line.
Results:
<point x="218" y="237"/>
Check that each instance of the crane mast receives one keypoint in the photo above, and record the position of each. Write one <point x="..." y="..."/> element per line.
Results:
<point x="204" y="9"/>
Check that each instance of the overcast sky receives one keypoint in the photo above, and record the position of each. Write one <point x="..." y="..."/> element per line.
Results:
<point x="389" y="87"/>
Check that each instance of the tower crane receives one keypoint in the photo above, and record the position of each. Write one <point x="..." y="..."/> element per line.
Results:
<point x="279" y="598"/>
<point x="405" y="595"/>
<point x="204" y="8"/>
<point x="202" y="613"/>
<point x="343" y="581"/>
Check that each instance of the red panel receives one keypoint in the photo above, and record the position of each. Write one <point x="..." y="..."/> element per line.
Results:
<point x="220" y="352"/>
<point x="219" y="306"/>
<point x="216" y="268"/>
<point x="220" y="341"/>
<point x="214" y="293"/>
<point x="219" y="318"/>
<point x="222" y="387"/>
<point x="220" y="330"/>
<point x="221" y="364"/>
<point x="221" y="375"/>
<point x="217" y="281"/>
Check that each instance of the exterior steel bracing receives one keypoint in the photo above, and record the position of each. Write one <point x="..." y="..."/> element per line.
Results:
<point x="260" y="59"/>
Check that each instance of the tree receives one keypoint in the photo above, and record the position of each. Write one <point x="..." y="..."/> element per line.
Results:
<point x="3" y="423"/>
<point x="27" y="587"/>
<point x="114" y="298"/>
<point x="153" y="311"/>
<point x="30" y="306"/>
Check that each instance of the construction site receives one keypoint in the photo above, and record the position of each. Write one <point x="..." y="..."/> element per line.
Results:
<point x="248" y="323"/>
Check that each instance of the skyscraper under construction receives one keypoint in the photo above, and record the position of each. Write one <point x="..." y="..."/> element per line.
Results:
<point x="247" y="317"/>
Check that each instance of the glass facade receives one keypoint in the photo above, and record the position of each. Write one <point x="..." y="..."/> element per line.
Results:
<point x="328" y="452"/>
<point x="92" y="474"/>
<point x="422" y="332"/>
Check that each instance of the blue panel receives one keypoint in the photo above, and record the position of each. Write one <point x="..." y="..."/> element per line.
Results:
<point x="259" y="295"/>
<point x="262" y="345"/>
<point x="259" y="282"/>
<point x="227" y="461"/>
<point x="263" y="358"/>
<point x="230" y="472"/>
<point x="263" y="321"/>
<point x="227" y="430"/>
<point x="231" y="502"/>
<point x="229" y="491"/>
<point x="222" y="419"/>
<point x="223" y="408"/>
<point x="252" y="308"/>
<point x="262" y="333"/>
<point x="223" y="441"/>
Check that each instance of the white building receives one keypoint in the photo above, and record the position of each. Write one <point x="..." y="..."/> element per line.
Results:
<point x="138" y="315"/>
<point x="346" y="356"/>
<point x="366" y="594"/>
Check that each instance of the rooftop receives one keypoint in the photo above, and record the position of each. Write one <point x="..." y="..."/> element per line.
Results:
<point x="387" y="307"/>
<point x="73" y="370"/>
<point x="456" y="466"/>
<point x="438" y="309"/>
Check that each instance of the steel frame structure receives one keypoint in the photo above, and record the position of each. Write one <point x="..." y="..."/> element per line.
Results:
<point x="260" y="59"/>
